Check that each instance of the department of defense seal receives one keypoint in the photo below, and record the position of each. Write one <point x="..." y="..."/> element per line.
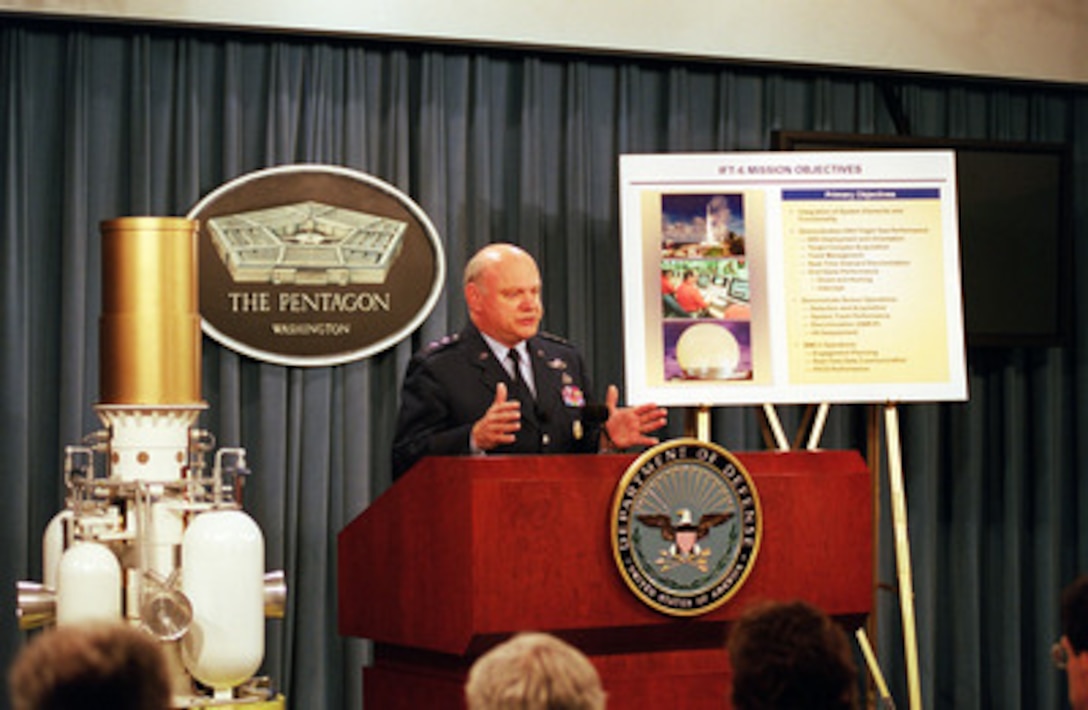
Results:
<point x="686" y="526"/>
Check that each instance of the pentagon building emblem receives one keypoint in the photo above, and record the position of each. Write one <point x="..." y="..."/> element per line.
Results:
<point x="686" y="527"/>
<point x="307" y="242"/>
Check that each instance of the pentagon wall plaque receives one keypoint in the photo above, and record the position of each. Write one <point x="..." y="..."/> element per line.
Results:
<point x="314" y="265"/>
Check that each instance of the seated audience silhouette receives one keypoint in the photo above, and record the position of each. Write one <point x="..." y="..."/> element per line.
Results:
<point x="113" y="666"/>
<point x="1071" y="651"/>
<point x="534" y="671"/>
<point x="791" y="656"/>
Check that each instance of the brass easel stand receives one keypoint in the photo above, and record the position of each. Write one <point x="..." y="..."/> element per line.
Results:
<point x="697" y="422"/>
<point x="813" y="422"/>
<point x="898" y="499"/>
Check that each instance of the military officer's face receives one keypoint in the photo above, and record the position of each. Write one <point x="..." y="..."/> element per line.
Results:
<point x="504" y="301"/>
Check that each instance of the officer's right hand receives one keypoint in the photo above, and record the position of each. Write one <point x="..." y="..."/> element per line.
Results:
<point x="499" y="424"/>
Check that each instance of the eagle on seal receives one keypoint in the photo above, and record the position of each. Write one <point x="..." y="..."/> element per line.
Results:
<point x="685" y="535"/>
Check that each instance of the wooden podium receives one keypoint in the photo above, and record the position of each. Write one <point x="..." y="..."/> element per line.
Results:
<point x="463" y="552"/>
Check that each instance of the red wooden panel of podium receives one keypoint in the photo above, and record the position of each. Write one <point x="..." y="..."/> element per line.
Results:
<point x="462" y="552"/>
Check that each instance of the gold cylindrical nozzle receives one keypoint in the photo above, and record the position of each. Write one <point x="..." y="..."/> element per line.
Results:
<point x="149" y="330"/>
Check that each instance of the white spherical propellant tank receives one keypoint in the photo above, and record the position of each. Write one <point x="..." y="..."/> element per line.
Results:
<point x="222" y="562"/>
<point x="53" y="547"/>
<point x="88" y="584"/>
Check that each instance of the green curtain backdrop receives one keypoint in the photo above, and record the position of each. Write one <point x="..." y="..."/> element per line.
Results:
<point x="99" y="121"/>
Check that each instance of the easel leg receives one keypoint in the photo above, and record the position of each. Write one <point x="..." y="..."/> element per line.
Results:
<point x="771" y="417"/>
<point x="902" y="554"/>
<point x="697" y="423"/>
<point x="875" y="461"/>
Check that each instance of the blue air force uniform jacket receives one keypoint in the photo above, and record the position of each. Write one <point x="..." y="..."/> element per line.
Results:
<point x="451" y="383"/>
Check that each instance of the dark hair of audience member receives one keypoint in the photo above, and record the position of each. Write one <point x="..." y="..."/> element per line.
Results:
<point x="791" y="656"/>
<point x="100" y="665"/>
<point x="1074" y="610"/>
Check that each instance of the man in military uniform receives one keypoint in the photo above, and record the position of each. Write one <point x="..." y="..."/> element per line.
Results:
<point x="500" y="386"/>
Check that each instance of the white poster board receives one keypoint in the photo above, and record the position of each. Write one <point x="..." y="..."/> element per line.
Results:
<point x="754" y="278"/>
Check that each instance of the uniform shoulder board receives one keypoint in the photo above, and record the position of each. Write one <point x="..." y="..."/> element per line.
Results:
<point x="441" y="344"/>
<point x="554" y="338"/>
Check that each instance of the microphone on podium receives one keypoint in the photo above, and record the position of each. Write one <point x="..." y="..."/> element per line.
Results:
<point x="591" y="415"/>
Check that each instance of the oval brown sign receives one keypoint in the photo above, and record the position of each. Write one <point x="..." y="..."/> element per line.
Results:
<point x="314" y="265"/>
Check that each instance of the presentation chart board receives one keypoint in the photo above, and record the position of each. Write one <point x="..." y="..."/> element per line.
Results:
<point x="752" y="278"/>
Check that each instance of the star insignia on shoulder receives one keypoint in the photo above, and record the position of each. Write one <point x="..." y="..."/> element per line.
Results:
<point x="553" y="337"/>
<point x="443" y="342"/>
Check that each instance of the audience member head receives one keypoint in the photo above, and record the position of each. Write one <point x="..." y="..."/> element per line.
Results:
<point x="534" y="671"/>
<point x="112" y="666"/>
<point x="791" y="656"/>
<point x="1075" y="613"/>
<point x="1074" y="641"/>
<point x="503" y="293"/>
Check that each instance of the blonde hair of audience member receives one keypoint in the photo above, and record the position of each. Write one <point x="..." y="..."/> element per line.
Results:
<point x="791" y="656"/>
<point x="534" y="671"/>
<point x="100" y="665"/>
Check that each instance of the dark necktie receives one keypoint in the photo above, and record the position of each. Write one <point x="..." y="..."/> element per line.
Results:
<point x="519" y="390"/>
<point x="529" y="437"/>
